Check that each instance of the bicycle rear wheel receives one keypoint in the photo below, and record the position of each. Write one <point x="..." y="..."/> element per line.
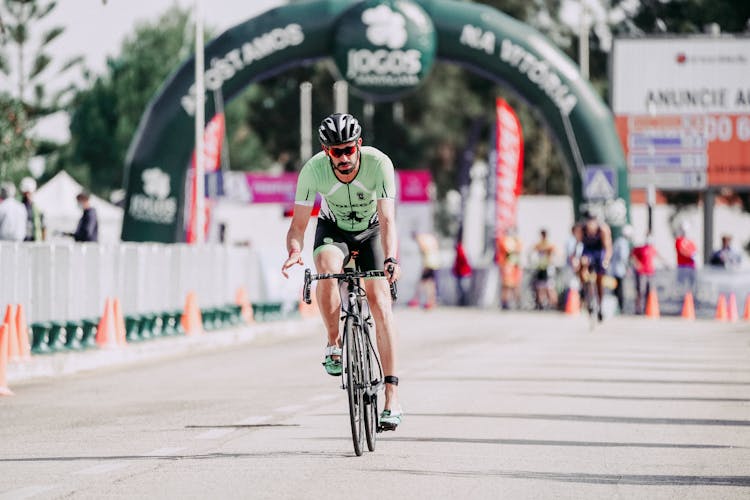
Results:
<point x="354" y="383"/>
<point x="592" y="304"/>
<point x="370" y="402"/>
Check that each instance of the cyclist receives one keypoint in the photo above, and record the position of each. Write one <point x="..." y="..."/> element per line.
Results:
<point x="596" y="240"/>
<point x="357" y="213"/>
<point x="542" y="258"/>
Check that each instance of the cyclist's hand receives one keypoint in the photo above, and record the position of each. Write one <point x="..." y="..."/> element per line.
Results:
<point x="392" y="272"/>
<point x="294" y="258"/>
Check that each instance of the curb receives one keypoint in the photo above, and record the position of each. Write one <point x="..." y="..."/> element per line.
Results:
<point x="67" y="363"/>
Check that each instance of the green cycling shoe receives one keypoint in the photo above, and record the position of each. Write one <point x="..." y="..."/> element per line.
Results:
<point x="333" y="366"/>
<point x="390" y="419"/>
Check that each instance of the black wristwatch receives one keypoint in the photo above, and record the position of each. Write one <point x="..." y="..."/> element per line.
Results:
<point x="390" y="260"/>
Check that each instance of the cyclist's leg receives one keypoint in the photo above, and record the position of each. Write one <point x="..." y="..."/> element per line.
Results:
<point x="379" y="298"/>
<point x="329" y="253"/>
<point x="430" y="287"/>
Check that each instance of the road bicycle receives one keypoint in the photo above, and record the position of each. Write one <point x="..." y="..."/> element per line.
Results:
<point x="590" y="293"/>
<point x="362" y="376"/>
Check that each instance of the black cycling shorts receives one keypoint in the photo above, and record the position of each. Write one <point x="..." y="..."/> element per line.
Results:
<point x="367" y="243"/>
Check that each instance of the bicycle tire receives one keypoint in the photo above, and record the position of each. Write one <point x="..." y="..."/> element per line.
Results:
<point x="370" y="403"/>
<point x="353" y="384"/>
<point x="592" y="304"/>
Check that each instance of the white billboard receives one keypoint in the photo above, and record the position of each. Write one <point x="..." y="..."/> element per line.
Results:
<point x="668" y="76"/>
<point x="682" y="110"/>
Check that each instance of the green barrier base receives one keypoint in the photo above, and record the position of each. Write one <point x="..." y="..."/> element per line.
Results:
<point x="88" y="338"/>
<point x="73" y="335"/>
<point x="40" y="338"/>
<point x="57" y="336"/>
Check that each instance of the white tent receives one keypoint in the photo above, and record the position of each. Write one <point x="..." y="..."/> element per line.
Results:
<point x="57" y="200"/>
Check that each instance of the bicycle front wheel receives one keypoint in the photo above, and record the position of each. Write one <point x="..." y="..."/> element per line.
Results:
<point x="354" y="383"/>
<point x="370" y="402"/>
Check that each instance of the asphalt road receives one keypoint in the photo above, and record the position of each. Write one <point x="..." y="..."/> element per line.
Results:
<point x="498" y="406"/>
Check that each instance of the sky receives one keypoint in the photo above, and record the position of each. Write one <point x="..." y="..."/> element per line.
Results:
<point x="95" y="31"/>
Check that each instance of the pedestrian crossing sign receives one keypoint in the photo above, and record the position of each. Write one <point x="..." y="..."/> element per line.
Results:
<point x="600" y="183"/>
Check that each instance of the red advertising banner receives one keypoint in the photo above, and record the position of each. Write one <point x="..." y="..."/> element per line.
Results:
<point x="213" y="138"/>
<point x="508" y="167"/>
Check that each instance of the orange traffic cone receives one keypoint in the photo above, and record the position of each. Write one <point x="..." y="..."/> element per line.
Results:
<point x="721" y="308"/>
<point x="22" y="329"/>
<point x="688" y="307"/>
<point x="310" y="310"/>
<point x="10" y="322"/>
<point x="652" y="305"/>
<point x="241" y="299"/>
<point x="746" y="315"/>
<point x="119" y="323"/>
<point x="192" y="321"/>
<point x="106" y="332"/>
<point x="4" y="389"/>
<point x="732" y="315"/>
<point x="573" y="302"/>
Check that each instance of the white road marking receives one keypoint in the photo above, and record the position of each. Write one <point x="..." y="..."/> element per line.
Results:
<point x="102" y="468"/>
<point x="163" y="452"/>
<point x="288" y="409"/>
<point x="215" y="433"/>
<point x="255" y="420"/>
<point x="26" y="492"/>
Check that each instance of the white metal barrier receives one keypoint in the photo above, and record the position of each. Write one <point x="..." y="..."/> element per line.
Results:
<point x="71" y="281"/>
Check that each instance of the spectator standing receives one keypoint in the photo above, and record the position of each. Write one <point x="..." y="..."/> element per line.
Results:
<point x="542" y="260"/>
<point x="686" y="251"/>
<point x="12" y="214"/>
<point x="618" y="267"/>
<point x="509" y="257"/>
<point x="429" y="250"/>
<point x="643" y="264"/>
<point x="88" y="225"/>
<point x="35" y="227"/>
<point x="726" y="256"/>
<point x="462" y="271"/>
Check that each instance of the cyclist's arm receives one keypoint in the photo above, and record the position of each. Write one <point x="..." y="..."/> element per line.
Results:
<point x="295" y="237"/>
<point x="388" y="238"/>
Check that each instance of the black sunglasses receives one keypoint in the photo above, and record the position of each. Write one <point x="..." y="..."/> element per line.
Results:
<point x="339" y="152"/>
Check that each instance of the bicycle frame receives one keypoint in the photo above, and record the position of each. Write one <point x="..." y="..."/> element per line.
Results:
<point x="357" y="378"/>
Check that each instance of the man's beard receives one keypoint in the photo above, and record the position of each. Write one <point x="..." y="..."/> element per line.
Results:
<point x="345" y="169"/>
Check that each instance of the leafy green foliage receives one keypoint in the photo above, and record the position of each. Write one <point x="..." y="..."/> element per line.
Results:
<point x="105" y="116"/>
<point x="15" y="147"/>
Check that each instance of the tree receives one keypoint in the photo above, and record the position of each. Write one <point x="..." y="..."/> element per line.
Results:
<point x="15" y="147"/>
<point x="29" y="99"/>
<point x="104" y="117"/>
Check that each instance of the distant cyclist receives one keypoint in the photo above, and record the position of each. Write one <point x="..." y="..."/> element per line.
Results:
<point x="358" y="213"/>
<point x="596" y="240"/>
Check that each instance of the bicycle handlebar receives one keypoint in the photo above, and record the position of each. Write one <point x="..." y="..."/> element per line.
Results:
<point x="309" y="278"/>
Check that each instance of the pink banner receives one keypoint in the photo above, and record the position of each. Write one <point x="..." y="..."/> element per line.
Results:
<point x="414" y="186"/>
<point x="509" y="167"/>
<point x="272" y="188"/>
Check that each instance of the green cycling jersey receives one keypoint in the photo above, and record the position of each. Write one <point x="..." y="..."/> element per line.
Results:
<point x="352" y="206"/>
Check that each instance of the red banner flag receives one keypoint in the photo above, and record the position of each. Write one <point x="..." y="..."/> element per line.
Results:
<point x="213" y="138"/>
<point x="508" y="168"/>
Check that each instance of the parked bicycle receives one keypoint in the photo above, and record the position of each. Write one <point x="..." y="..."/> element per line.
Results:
<point x="362" y="377"/>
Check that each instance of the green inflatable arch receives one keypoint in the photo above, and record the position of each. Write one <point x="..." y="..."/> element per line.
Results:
<point x="475" y="36"/>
